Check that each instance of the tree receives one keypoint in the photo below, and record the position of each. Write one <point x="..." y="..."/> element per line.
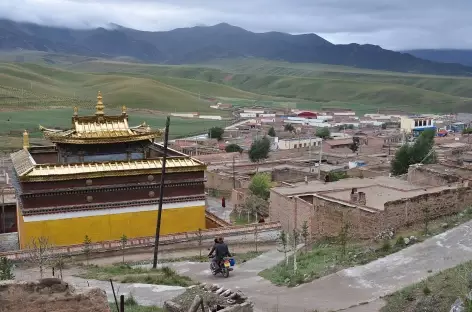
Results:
<point x="39" y="253"/>
<point x="123" y="242"/>
<point x="356" y="143"/>
<point x="259" y="149"/>
<point x="216" y="133"/>
<point x="87" y="248"/>
<point x="254" y="205"/>
<point x="256" y="234"/>
<point x="260" y="185"/>
<point x="6" y="269"/>
<point x="323" y="133"/>
<point x="305" y="234"/>
<point x="289" y="127"/>
<point x="401" y="161"/>
<point x="200" y="240"/>
<point x="271" y="132"/>
<point x="344" y="238"/>
<point x="295" y="236"/>
<point x="60" y="264"/>
<point x="284" y="242"/>
<point x="232" y="148"/>
<point x="422" y="151"/>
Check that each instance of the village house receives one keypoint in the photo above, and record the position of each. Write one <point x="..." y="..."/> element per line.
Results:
<point x="368" y="206"/>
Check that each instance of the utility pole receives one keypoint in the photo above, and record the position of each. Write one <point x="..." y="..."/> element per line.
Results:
<point x="234" y="176"/>
<point x="321" y="155"/>
<point x="161" y="194"/>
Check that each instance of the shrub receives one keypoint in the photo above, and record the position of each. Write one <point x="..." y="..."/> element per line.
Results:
<point x="400" y="241"/>
<point x="386" y="246"/>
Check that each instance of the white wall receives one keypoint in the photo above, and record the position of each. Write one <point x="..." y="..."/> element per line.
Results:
<point x="210" y="117"/>
<point x="247" y="115"/>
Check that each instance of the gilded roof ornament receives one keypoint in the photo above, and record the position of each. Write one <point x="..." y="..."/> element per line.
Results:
<point x="99" y="107"/>
<point x="76" y="111"/>
<point x="123" y="110"/>
<point x="26" y="143"/>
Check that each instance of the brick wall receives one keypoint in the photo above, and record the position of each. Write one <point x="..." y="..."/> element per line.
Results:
<point x="224" y="182"/>
<point x="291" y="175"/>
<point x="414" y="210"/>
<point x="424" y="176"/>
<point x="326" y="216"/>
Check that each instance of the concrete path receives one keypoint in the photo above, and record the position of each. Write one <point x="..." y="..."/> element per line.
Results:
<point x="350" y="287"/>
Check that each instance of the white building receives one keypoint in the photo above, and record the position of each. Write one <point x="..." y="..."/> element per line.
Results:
<point x="416" y="123"/>
<point x="248" y="115"/>
<point x="254" y="111"/>
<point x="286" y="144"/>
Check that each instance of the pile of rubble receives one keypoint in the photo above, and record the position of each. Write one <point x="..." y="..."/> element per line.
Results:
<point x="50" y="294"/>
<point x="212" y="298"/>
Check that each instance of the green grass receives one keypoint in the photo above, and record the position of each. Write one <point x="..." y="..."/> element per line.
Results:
<point x="436" y="293"/>
<point x="137" y="308"/>
<point x="126" y="274"/>
<point x="315" y="85"/>
<point x="239" y="82"/>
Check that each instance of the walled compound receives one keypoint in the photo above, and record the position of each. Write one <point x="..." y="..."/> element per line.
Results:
<point x="368" y="206"/>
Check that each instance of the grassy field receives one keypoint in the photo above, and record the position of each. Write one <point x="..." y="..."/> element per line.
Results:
<point x="126" y="274"/>
<point x="310" y="85"/>
<point x="54" y="80"/>
<point x="436" y="293"/>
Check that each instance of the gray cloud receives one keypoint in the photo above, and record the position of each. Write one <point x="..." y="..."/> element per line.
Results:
<point x="394" y="24"/>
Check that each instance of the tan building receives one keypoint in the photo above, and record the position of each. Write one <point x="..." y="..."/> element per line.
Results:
<point x="369" y="206"/>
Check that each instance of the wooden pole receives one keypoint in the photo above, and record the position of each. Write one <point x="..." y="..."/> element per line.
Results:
<point x="122" y="303"/>
<point x="161" y="195"/>
<point x="114" y="295"/>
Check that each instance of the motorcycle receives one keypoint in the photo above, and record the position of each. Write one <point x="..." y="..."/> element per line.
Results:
<point x="224" y="267"/>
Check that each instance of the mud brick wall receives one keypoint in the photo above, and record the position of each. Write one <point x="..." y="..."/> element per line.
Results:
<point x="424" y="176"/>
<point x="329" y="218"/>
<point x="413" y="210"/>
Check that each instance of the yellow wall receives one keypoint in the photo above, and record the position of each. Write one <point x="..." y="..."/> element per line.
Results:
<point x="111" y="227"/>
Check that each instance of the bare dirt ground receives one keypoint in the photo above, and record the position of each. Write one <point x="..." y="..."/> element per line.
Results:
<point x="50" y="296"/>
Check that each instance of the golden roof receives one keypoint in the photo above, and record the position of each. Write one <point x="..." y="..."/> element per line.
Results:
<point x="101" y="129"/>
<point x="28" y="170"/>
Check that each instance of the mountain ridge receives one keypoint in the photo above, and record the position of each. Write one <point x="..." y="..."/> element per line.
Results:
<point x="205" y="43"/>
<point x="459" y="56"/>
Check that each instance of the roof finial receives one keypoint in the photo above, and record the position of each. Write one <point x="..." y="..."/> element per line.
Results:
<point x="123" y="110"/>
<point x="76" y="111"/>
<point x="99" y="107"/>
<point x="26" y="143"/>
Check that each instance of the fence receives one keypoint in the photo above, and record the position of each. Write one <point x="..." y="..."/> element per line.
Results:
<point x="141" y="242"/>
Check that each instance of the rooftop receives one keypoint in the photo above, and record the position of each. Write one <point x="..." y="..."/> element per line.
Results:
<point x="378" y="195"/>
<point x="378" y="190"/>
<point x="100" y="129"/>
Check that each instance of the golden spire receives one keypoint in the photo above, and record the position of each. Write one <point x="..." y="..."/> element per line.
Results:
<point x="76" y="111"/>
<point x="123" y="110"/>
<point x="99" y="107"/>
<point x="26" y="143"/>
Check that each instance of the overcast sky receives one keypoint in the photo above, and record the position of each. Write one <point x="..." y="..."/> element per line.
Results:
<point x="392" y="24"/>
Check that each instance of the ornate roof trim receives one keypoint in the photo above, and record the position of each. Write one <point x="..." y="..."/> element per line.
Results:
<point x="61" y="172"/>
<point x="23" y="162"/>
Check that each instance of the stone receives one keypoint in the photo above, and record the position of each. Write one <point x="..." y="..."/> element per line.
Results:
<point x="220" y="291"/>
<point x="458" y="306"/>
<point x="227" y="293"/>
<point x="171" y="306"/>
<point x="234" y="296"/>
<point x="207" y="287"/>
<point x="406" y="240"/>
<point x="444" y="225"/>
<point x="214" y="287"/>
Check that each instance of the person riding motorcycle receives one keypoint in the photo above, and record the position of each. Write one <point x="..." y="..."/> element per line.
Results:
<point x="221" y="250"/>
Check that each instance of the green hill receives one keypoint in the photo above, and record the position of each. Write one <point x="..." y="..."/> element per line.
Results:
<point x="310" y="86"/>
